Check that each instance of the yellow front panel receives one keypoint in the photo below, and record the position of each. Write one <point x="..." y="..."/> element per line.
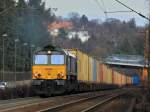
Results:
<point x="49" y="72"/>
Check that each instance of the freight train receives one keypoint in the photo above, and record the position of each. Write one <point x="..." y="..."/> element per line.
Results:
<point x="56" y="70"/>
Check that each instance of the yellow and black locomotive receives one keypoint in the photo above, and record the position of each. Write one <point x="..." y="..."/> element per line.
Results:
<point x="54" y="71"/>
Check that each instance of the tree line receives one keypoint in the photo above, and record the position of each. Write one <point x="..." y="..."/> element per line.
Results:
<point x="23" y="25"/>
<point x="111" y="36"/>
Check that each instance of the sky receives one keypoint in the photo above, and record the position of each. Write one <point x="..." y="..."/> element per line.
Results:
<point x="94" y="11"/>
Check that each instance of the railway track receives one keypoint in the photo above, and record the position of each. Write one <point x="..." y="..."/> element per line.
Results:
<point x="33" y="104"/>
<point x="14" y="100"/>
<point x="132" y="104"/>
<point x="107" y="100"/>
<point x="114" y="104"/>
<point x="83" y="105"/>
<point x="12" y="104"/>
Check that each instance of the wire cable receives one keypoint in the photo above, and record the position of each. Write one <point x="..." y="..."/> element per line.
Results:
<point x="102" y="9"/>
<point x="140" y="14"/>
<point x="105" y="9"/>
<point x="118" y="11"/>
<point x="98" y="4"/>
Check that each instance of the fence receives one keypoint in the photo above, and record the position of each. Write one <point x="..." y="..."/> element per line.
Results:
<point x="12" y="76"/>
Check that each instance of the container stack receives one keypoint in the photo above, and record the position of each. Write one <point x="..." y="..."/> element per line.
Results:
<point x="93" y="71"/>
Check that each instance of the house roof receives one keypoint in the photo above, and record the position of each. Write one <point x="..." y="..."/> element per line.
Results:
<point x="61" y="24"/>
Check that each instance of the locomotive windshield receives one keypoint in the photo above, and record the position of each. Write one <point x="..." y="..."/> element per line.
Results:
<point x="41" y="59"/>
<point x="57" y="59"/>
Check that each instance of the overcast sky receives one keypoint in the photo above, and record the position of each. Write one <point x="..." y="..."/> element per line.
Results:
<point x="92" y="10"/>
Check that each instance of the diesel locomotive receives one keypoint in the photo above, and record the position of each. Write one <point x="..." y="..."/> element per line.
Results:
<point x="54" y="71"/>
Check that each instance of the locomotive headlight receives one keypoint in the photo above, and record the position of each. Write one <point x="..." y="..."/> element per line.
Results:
<point x="49" y="52"/>
<point x="60" y="75"/>
<point x="37" y="75"/>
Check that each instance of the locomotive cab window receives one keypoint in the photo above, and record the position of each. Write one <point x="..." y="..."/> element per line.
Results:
<point x="41" y="59"/>
<point x="57" y="59"/>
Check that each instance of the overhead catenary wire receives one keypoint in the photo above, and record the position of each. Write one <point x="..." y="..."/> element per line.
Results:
<point x="103" y="4"/>
<point x="105" y="9"/>
<point x="118" y="11"/>
<point x="99" y="5"/>
<point x="140" y="14"/>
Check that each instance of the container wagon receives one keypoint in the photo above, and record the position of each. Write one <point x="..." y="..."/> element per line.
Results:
<point x="135" y="79"/>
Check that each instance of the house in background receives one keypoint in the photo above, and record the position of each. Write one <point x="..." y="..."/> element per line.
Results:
<point x="82" y="35"/>
<point x="68" y="26"/>
<point x="57" y="25"/>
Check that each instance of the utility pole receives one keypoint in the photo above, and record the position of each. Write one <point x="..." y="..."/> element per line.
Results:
<point x="3" y="37"/>
<point x="147" y="59"/>
<point x="146" y="49"/>
<point x="15" y="57"/>
<point x="25" y="54"/>
<point x="31" y="53"/>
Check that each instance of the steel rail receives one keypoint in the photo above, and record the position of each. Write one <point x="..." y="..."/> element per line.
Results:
<point x="14" y="100"/>
<point x="69" y="104"/>
<point x="131" y="107"/>
<point x="9" y="105"/>
<point x="65" y="105"/>
<point x="90" y="109"/>
<point x="22" y="105"/>
<point x="19" y="104"/>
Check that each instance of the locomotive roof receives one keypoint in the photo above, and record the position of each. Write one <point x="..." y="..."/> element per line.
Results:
<point x="56" y="48"/>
